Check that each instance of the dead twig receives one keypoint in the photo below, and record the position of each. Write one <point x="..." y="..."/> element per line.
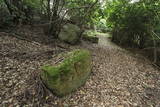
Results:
<point x="19" y="36"/>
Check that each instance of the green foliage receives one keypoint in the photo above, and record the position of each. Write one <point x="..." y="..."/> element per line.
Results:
<point x="32" y="3"/>
<point x="84" y="11"/>
<point x="5" y="18"/>
<point x="133" y="23"/>
<point x="20" y="11"/>
<point x="69" y="74"/>
<point x="1" y="2"/>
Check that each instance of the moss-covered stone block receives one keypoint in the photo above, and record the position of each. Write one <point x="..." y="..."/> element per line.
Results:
<point x="91" y="39"/>
<point x="90" y="36"/>
<point x="68" y="75"/>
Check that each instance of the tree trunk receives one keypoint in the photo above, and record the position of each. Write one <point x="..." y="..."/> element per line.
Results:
<point x="48" y="9"/>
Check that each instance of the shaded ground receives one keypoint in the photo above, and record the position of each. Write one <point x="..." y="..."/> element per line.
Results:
<point x="119" y="79"/>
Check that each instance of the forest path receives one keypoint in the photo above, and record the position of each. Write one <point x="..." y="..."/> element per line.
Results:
<point x="118" y="78"/>
<point x="105" y="41"/>
<point x="122" y="79"/>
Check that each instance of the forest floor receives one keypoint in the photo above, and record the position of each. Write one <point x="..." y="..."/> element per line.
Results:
<point x="118" y="79"/>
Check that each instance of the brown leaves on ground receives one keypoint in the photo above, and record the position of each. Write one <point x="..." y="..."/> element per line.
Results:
<point x="118" y="79"/>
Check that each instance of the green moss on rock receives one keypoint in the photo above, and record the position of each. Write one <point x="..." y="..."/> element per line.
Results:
<point x="69" y="74"/>
<point x="90" y="36"/>
<point x="91" y="39"/>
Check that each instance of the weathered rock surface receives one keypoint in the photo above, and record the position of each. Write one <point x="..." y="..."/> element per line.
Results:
<point x="70" y="33"/>
<point x="87" y="36"/>
<point x="70" y="74"/>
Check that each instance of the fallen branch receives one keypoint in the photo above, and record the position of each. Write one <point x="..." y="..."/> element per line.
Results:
<point x="150" y="48"/>
<point x="155" y="47"/>
<point x="19" y="36"/>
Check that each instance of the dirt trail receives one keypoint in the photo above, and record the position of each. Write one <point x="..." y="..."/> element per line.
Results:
<point x="118" y="79"/>
<point x="124" y="79"/>
<point x="105" y="41"/>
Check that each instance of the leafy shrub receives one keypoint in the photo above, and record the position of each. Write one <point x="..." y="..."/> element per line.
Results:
<point x="5" y="17"/>
<point x="133" y="23"/>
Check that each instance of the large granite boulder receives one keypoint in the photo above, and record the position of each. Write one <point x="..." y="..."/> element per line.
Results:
<point x="68" y="75"/>
<point x="70" y="33"/>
